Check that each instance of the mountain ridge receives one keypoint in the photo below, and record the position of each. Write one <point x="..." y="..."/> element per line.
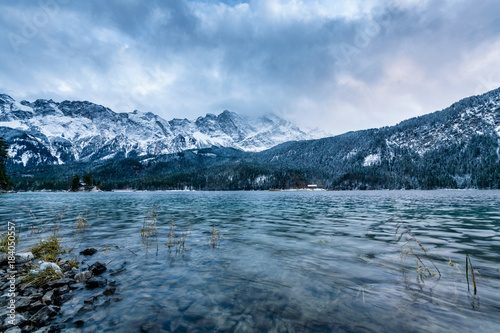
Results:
<point x="46" y="132"/>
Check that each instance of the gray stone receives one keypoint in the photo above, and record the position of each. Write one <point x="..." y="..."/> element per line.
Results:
<point x="43" y="330"/>
<point x="19" y="320"/>
<point x="3" y="257"/>
<point x="24" y="257"/>
<point x="47" y="298"/>
<point x="14" y="329"/>
<point x="83" y="276"/>
<point x="70" y="274"/>
<point x="27" y="291"/>
<point x="43" y="316"/>
<point x="36" y="296"/>
<point x="63" y="290"/>
<point x="23" y="303"/>
<point x="35" y="307"/>
<point x="59" y="283"/>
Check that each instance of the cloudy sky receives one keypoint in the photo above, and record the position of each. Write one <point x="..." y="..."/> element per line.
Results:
<point x="334" y="64"/>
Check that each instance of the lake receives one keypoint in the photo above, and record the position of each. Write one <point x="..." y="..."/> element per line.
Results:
<point x="287" y="261"/>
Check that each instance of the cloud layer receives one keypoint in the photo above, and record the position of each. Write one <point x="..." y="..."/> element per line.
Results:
<point x="337" y="65"/>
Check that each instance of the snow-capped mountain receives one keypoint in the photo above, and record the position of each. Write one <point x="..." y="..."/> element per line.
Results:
<point x="46" y="132"/>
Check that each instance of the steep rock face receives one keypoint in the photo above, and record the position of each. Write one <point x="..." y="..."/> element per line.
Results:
<point x="46" y="132"/>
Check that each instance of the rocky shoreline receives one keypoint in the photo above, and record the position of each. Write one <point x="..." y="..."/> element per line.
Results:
<point x="38" y="307"/>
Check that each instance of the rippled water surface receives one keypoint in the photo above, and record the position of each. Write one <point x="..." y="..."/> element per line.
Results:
<point x="288" y="261"/>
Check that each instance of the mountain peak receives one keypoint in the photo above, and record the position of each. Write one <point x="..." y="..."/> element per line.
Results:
<point x="4" y="98"/>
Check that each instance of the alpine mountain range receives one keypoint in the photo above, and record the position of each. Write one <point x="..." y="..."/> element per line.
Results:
<point x="457" y="147"/>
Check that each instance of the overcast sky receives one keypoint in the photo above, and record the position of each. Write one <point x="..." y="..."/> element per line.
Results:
<point x="337" y="65"/>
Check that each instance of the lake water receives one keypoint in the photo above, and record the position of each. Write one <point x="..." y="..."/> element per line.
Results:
<point x="287" y="262"/>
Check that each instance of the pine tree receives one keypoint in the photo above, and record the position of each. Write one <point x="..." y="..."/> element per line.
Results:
<point x="75" y="183"/>
<point x="5" y="183"/>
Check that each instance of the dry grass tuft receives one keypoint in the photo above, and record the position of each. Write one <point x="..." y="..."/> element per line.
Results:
<point x="178" y="242"/>
<point x="149" y="230"/>
<point x="48" y="249"/>
<point x="413" y="248"/>
<point x="82" y="222"/>
<point x="468" y="264"/>
<point x="215" y="238"/>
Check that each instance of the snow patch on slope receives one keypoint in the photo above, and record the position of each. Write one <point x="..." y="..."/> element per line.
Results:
<point x="371" y="159"/>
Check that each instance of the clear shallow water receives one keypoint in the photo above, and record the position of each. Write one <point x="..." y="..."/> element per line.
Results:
<point x="288" y="261"/>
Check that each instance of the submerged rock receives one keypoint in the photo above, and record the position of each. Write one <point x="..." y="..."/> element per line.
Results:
<point x="97" y="268"/>
<point x="96" y="282"/>
<point x="109" y="291"/>
<point x="88" y="252"/>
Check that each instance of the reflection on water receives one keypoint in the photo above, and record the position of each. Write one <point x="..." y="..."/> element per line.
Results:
<point x="288" y="261"/>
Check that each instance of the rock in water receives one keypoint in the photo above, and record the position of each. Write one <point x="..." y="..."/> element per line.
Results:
<point x="97" y="268"/>
<point x="88" y="252"/>
<point x="96" y="282"/>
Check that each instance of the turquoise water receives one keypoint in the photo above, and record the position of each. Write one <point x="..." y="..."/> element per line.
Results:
<point x="287" y="262"/>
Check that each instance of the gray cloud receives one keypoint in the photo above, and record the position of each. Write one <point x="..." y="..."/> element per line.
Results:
<point x="336" y="65"/>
